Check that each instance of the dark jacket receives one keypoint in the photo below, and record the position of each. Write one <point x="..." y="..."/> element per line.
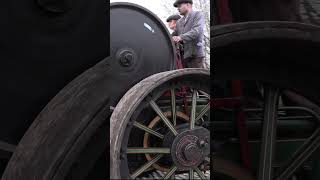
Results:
<point x="191" y="32"/>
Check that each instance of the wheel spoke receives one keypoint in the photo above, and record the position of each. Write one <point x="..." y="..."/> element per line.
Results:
<point x="173" y="107"/>
<point x="6" y="150"/>
<point x="191" y="174"/>
<point x="268" y="133"/>
<point x="300" y="156"/>
<point x="145" y="166"/>
<point x="203" y="111"/>
<point x="156" y="108"/>
<point x="147" y="129"/>
<point x="205" y="94"/>
<point x="200" y="173"/>
<point x="148" y="150"/>
<point x="173" y="176"/>
<point x="7" y="147"/>
<point x="170" y="172"/>
<point x="193" y="109"/>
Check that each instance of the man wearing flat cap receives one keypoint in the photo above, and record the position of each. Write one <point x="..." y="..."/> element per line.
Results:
<point x="189" y="31"/>
<point x="172" y="21"/>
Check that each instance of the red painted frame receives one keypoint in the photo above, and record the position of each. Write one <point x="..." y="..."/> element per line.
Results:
<point x="224" y="16"/>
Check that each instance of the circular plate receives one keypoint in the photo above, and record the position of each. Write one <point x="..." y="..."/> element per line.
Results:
<point x="136" y="29"/>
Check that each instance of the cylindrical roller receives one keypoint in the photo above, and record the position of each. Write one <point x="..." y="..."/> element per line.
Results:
<point x="140" y="46"/>
<point x="139" y="40"/>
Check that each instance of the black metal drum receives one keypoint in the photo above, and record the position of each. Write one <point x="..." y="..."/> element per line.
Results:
<point x="139" y="40"/>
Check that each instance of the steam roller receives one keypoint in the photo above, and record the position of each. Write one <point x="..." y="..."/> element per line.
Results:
<point x="156" y="116"/>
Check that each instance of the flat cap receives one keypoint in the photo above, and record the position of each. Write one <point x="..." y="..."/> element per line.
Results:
<point x="173" y="17"/>
<point x="175" y="4"/>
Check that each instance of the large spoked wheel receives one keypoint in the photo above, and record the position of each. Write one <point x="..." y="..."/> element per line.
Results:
<point x="161" y="125"/>
<point x="273" y="130"/>
<point x="268" y="118"/>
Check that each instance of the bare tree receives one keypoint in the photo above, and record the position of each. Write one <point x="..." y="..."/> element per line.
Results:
<point x="204" y="7"/>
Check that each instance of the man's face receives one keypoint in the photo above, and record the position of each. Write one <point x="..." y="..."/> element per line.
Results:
<point x="172" y="24"/>
<point x="183" y="8"/>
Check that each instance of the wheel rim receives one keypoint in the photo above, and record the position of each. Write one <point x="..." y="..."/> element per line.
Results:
<point x="166" y="152"/>
<point x="163" y="152"/>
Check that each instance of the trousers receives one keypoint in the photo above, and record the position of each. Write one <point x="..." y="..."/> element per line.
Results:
<point x="193" y="62"/>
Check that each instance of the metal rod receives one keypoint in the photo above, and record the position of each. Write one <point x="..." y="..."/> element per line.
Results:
<point x="243" y="137"/>
<point x="193" y="109"/>
<point x="147" y="129"/>
<point x="201" y="101"/>
<point x="170" y="172"/>
<point x="302" y="101"/>
<point x="237" y="92"/>
<point x="7" y="147"/>
<point x="136" y="173"/>
<point x="173" y="107"/>
<point x="268" y="133"/>
<point x="191" y="174"/>
<point x="137" y="150"/>
<point x="256" y="126"/>
<point x="156" y="108"/>
<point x="203" y="111"/>
<point x="6" y="150"/>
<point x="290" y="108"/>
<point x="200" y="173"/>
<point x="300" y="156"/>
<point x="204" y="94"/>
<point x="284" y="118"/>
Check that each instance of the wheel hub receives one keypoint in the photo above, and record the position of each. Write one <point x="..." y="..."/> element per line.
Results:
<point x="168" y="140"/>
<point x="190" y="147"/>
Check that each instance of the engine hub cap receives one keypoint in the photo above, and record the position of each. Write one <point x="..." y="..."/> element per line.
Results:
<point x="190" y="147"/>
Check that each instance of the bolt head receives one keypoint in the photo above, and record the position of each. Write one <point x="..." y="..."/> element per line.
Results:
<point x="129" y="57"/>
<point x="126" y="58"/>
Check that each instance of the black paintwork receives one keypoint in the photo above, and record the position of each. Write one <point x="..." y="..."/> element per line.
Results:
<point x="307" y="11"/>
<point x="41" y="52"/>
<point x="139" y="31"/>
<point x="293" y="58"/>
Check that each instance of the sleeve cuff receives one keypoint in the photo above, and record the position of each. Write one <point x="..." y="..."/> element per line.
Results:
<point x="182" y="37"/>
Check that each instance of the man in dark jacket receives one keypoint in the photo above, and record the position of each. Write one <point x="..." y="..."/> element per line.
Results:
<point x="172" y="21"/>
<point x="189" y="31"/>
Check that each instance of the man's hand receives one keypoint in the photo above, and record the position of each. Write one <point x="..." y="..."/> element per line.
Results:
<point x="176" y="39"/>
